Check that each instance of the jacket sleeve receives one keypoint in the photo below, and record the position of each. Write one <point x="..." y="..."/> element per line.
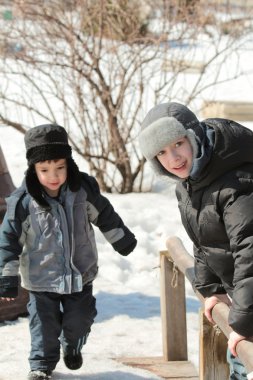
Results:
<point x="10" y="249"/>
<point x="206" y="281"/>
<point x="102" y="214"/>
<point x="238" y="219"/>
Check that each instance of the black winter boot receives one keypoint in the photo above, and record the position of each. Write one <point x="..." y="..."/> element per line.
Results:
<point x="73" y="361"/>
<point x="39" y="375"/>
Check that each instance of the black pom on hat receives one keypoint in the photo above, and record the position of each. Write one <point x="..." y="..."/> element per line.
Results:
<point x="46" y="142"/>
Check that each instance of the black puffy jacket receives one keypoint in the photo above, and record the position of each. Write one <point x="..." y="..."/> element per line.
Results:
<point x="217" y="213"/>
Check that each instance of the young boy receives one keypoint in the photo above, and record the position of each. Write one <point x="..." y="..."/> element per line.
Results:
<point x="47" y="235"/>
<point x="212" y="162"/>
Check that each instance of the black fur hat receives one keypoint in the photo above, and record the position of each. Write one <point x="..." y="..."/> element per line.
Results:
<point x="48" y="142"/>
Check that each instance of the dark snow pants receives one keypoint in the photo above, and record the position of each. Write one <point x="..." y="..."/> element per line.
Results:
<point x="56" y="319"/>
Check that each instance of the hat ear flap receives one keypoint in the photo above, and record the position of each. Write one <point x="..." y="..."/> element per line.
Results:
<point x="34" y="187"/>
<point x="74" y="175"/>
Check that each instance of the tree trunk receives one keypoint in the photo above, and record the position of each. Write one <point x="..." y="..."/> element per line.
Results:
<point x="6" y="184"/>
<point x="13" y="309"/>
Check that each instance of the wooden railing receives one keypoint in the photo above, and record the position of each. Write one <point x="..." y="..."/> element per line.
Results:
<point x="176" y="263"/>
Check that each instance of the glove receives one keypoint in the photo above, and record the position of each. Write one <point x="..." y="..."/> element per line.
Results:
<point x="9" y="286"/>
<point x="125" y="251"/>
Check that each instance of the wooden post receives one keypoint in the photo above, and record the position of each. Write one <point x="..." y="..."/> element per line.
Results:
<point x="174" y="364"/>
<point x="212" y="351"/>
<point x="173" y="311"/>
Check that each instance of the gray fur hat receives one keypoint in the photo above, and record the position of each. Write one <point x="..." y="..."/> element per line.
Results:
<point x="164" y="124"/>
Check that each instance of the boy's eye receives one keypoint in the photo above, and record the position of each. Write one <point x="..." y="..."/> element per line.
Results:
<point x="160" y="153"/>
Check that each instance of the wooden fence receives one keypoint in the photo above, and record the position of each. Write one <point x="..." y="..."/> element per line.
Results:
<point x="175" y="264"/>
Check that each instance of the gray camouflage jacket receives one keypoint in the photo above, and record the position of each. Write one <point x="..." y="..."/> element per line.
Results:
<point x="55" y="250"/>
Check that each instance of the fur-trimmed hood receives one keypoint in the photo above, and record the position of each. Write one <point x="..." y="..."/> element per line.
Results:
<point x="164" y="124"/>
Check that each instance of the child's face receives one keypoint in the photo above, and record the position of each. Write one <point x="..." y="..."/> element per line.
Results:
<point x="177" y="157"/>
<point x="52" y="174"/>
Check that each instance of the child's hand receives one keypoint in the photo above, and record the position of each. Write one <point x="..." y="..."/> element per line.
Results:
<point x="210" y="302"/>
<point x="234" y="339"/>
<point x="7" y="299"/>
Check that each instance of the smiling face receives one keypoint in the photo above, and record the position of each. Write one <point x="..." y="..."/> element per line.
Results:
<point x="52" y="175"/>
<point x="177" y="157"/>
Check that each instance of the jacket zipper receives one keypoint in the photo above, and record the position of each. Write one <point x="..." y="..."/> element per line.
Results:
<point x="66" y="245"/>
<point x="188" y="187"/>
<point x="192" y="234"/>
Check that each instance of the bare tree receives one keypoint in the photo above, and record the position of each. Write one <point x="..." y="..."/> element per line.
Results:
<point x="97" y="66"/>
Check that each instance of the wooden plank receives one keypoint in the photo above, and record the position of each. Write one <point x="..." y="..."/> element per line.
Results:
<point x="212" y="352"/>
<point x="235" y="110"/>
<point x="173" y="311"/>
<point x="183" y="66"/>
<point x="167" y="370"/>
<point x="231" y="3"/>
